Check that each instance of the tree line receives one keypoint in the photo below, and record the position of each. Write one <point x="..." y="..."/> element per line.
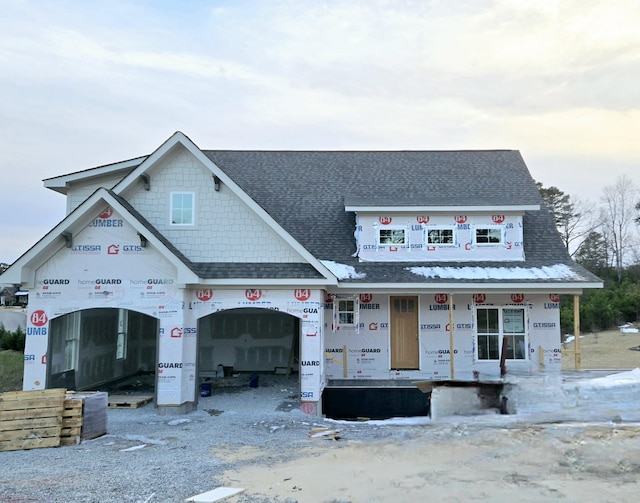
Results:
<point x="603" y="238"/>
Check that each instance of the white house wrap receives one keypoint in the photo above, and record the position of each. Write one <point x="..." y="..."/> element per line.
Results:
<point x="185" y="261"/>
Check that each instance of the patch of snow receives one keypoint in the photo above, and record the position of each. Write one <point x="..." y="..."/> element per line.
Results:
<point x="631" y="377"/>
<point x="342" y="271"/>
<point x="393" y="421"/>
<point x="176" y="422"/>
<point x="558" y="271"/>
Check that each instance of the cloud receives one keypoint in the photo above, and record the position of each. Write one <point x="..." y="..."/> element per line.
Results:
<point x="88" y="83"/>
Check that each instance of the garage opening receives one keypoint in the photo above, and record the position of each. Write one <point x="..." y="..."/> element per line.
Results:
<point x="248" y="340"/>
<point x="100" y="348"/>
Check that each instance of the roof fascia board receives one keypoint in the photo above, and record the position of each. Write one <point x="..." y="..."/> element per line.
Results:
<point x="61" y="183"/>
<point x="571" y="287"/>
<point x="442" y="209"/>
<point x="78" y="219"/>
<point x="251" y="282"/>
<point x="181" y="138"/>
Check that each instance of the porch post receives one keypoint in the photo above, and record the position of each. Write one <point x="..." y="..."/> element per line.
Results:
<point x="451" y="345"/>
<point x="576" y="330"/>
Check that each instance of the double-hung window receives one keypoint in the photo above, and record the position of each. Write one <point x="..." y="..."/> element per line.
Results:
<point x="346" y="311"/>
<point x="498" y="327"/>
<point x="182" y="208"/>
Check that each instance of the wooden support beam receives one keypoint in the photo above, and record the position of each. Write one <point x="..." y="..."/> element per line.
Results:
<point x="345" y="363"/>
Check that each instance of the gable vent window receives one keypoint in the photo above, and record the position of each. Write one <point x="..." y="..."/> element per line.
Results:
<point x="182" y="208"/>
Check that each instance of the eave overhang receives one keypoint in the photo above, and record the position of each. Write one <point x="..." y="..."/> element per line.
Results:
<point x="570" y="288"/>
<point x="372" y="208"/>
<point x="62" y="183"/>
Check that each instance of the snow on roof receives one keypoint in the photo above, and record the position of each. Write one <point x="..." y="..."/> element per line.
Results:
<point x="342" y="271"/>
<point x="559" y="271"/>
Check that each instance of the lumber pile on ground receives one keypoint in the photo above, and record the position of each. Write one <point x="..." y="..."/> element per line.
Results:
<point x="50" y="418"/>
<point x="31" y="419"/>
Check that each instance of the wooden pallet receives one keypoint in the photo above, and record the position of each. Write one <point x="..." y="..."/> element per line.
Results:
<point x="128" y="401"/>
<point x="71" y="422"/>
<point x="31" y="419"/>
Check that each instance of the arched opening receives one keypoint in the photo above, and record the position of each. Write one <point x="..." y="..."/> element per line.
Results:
<point x="96" y="348"/>
<point x="248" y="340"/>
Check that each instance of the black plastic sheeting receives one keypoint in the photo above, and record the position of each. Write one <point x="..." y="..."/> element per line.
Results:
<point x="374" y="403"/>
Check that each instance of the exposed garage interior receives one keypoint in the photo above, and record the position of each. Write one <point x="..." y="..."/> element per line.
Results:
<point x="95" y="348"/>
<point x="248" y="340"/>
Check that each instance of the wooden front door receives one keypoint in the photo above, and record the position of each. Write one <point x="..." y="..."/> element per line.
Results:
<point x="405" y="347"/>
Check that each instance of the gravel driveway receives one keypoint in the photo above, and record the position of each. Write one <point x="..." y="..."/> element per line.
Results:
<point x="150" y="458"/>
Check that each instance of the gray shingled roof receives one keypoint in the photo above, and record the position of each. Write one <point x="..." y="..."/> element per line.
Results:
<point x="306" y="192"/>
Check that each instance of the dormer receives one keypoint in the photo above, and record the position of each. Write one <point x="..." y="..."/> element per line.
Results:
<point x="439" y="233"/>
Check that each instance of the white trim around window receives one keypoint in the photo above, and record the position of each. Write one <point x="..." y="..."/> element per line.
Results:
<point x="392" y="235"/>
<point x="440" y="235"/>
<point x="488" y="235"/>
<point x="493" y="325"/>
<point x="182" y="208"/>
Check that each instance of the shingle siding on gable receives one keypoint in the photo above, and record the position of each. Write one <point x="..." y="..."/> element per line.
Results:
<point x="78" y="193"/>
<point x="225" y="229"/>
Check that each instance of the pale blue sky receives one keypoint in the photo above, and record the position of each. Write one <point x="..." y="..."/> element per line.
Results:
<point x="85" y="83"/>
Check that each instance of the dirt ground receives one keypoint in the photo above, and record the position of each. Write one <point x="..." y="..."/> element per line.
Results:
<point x="610" y="349"/>
<point x="457" y="463"/>
<point x="464" y="460"/>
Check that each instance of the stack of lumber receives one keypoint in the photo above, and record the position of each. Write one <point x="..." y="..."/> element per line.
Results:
<point x="71" y="422"/>
<point x="88" y="410"/>
<point x="31" y="419"/>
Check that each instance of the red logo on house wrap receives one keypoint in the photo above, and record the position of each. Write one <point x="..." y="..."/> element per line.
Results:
<point x="554" y="297"/>
<point x="479" y="298"/>
<point x="302" y="294"/>
<point x="113" y="250"/>
<point x="253" y="295"/>
<point x="176" y="332"/>
<point x="441" y="298"/>
<point x="460" y="218"/>
<point x="498" y="219"/>
<point x="39" y="318"/>
<point x="385" y="220"/>
<point x="518" y="298"/>
<point x="423" y="219"/>
<point x="365" y="298"/>
<point x="308" y="408"/>
<point x="106" y="213"/>
<point x="204" y="295"/>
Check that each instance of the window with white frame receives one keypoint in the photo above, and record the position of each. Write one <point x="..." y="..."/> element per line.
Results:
<point x="440" y="236"/>
<point x="182" y="208"/>
<point x="490" y="235"/>
<point x="394" y="236"/>
<point x="498" y="324"/>
<point x="346" y="311"/>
